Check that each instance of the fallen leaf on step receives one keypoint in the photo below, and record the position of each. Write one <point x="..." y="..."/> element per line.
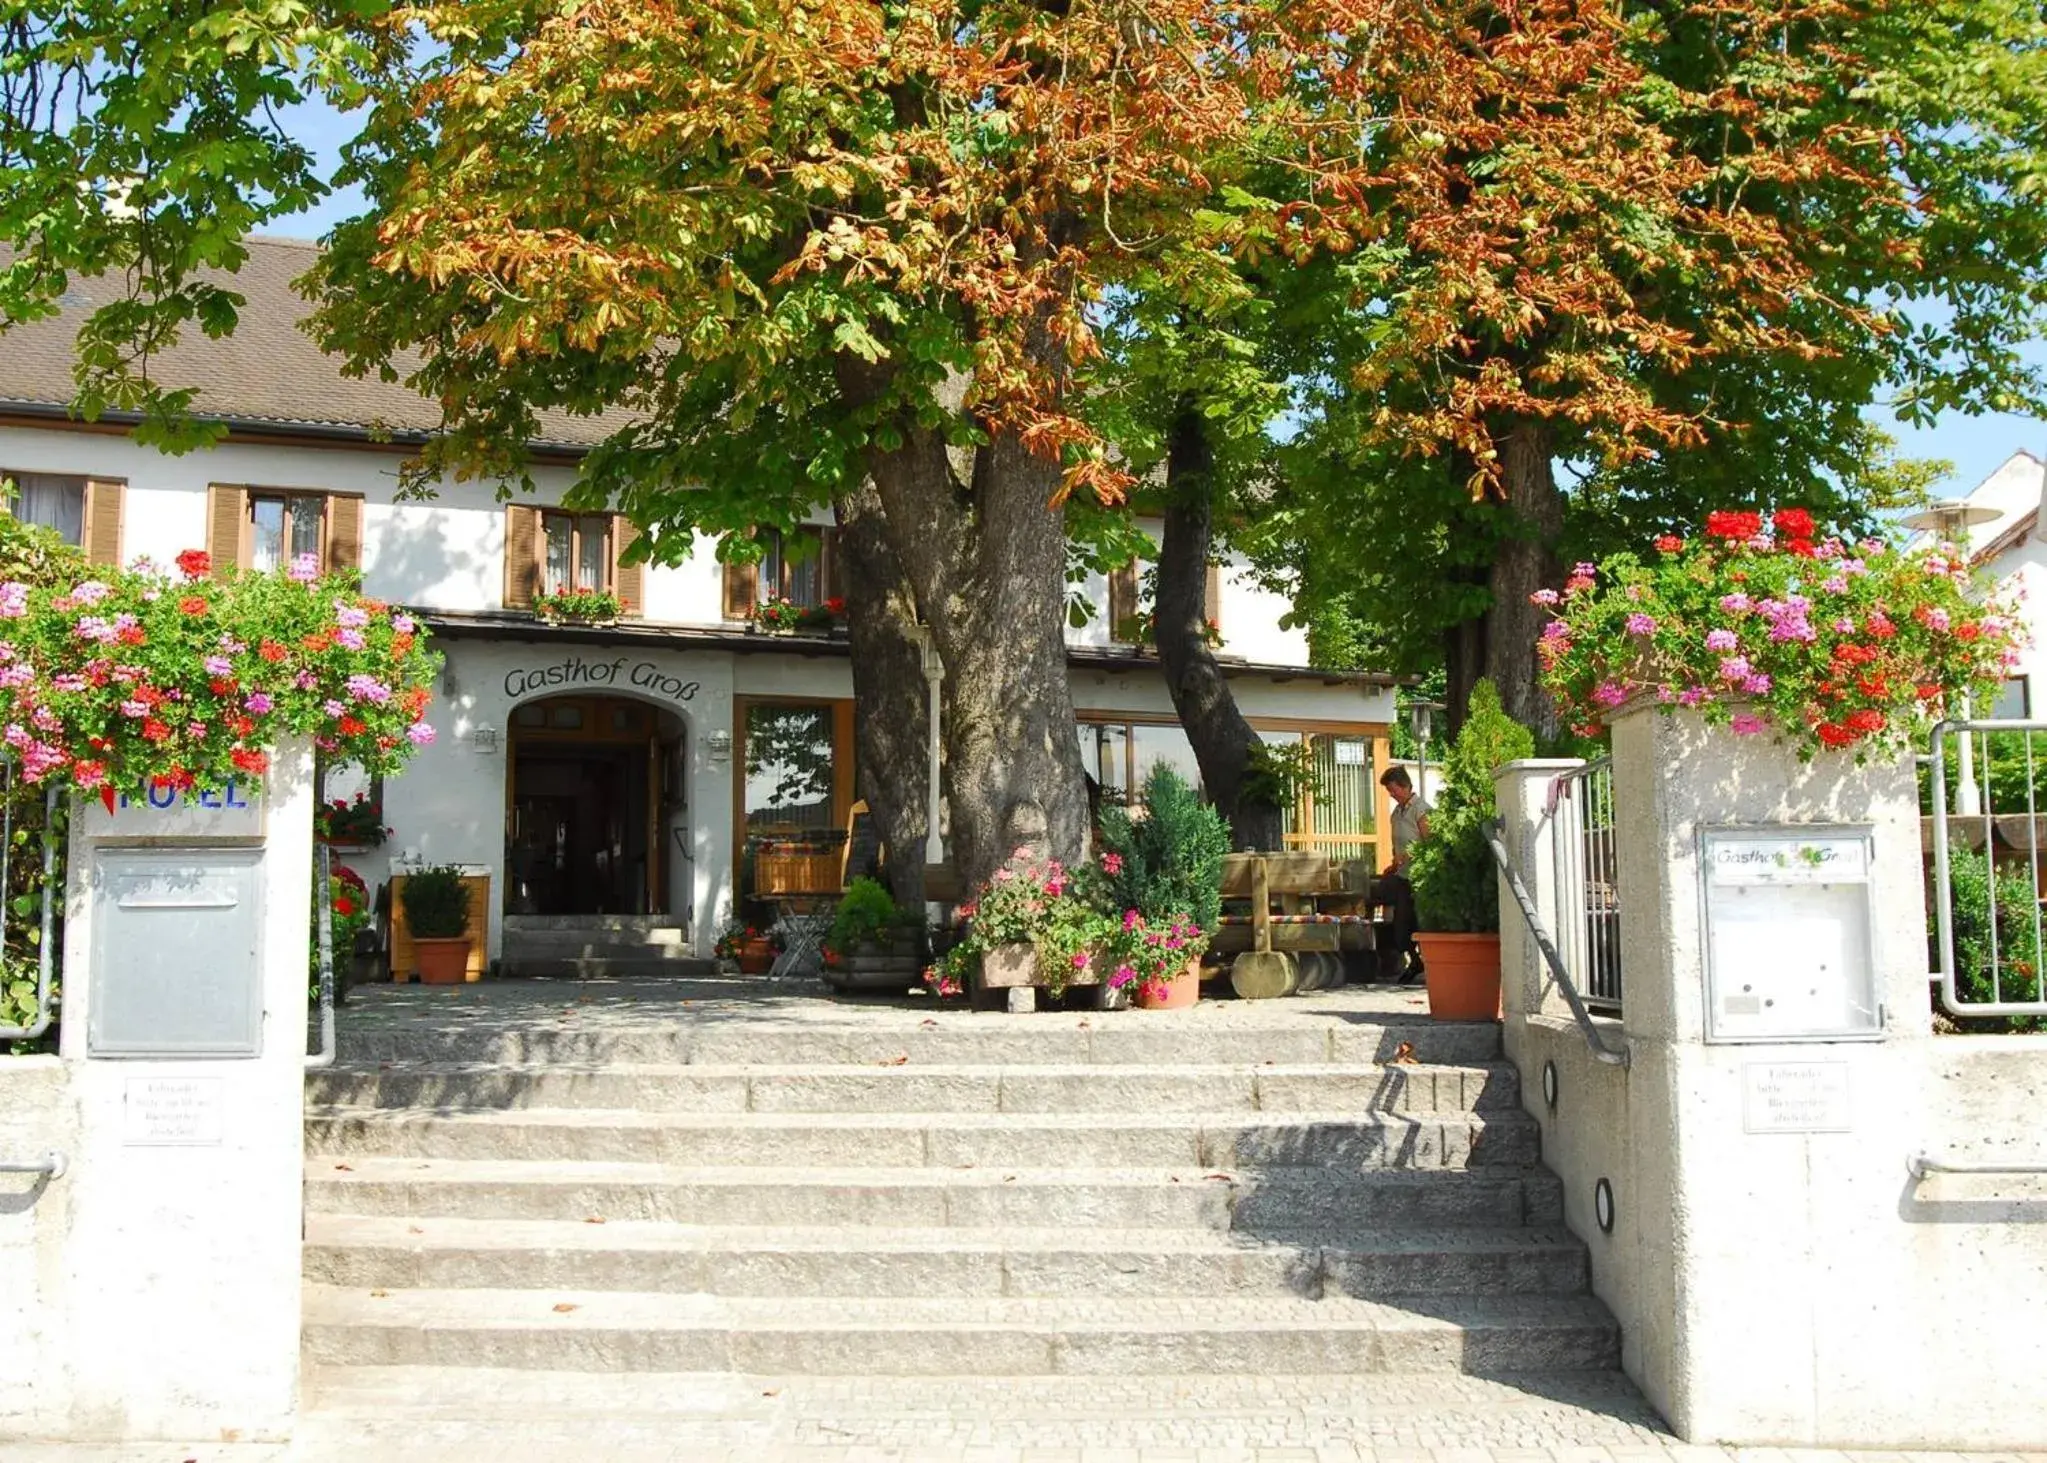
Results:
<point x="927" y="1021"/>
<point x="343" y="1168"/>
<point x="1084" y="1026"/>
<point x="594" y="1219"/>
<point x="1404" y="1054"/>
<point x="1221" y="1177"/>
<point x="380" y="1294"/>
<point x="564" y="1308"/>
<point x="900" y="1061"/>
<point x="414" y="1229"/>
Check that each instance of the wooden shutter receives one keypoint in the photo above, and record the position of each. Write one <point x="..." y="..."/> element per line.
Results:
<point x="832" y="578"/>
<point x="628" y="580"/>
<point x="742" y="590"/>
<point x="104" y="501"/>
<point x="344" y="531"/>
<point x="1212" y="595"/>
<point x="227" y="513"/>
<point x="522" y="556"/>
<point x="1122" y="601"/>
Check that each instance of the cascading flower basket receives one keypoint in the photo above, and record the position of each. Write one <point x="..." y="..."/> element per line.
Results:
<point x="1773" y="630"/>
<point x="153" y="677"/>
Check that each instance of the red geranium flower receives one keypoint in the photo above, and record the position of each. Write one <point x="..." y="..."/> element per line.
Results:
<point x="352" y="726"/>
<point x="193" y="604"/>
<point x="1802" y="547"/>
<point x="1792" y="523"/>
<point x="1835" y="736"/>
<point x="248" y="761"/>
<point x="154" y="730"/>
<point x="271" y="651"/>
<point x="1669" y="543"/>
<point x="1732" y="525"/>
<point x="343" y="904"/>
<point x="195" y="563"/>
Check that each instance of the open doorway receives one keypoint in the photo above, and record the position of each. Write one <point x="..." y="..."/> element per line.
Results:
<point x="594" y="791"/>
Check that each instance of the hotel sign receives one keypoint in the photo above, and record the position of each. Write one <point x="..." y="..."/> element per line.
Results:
<point x="574" y="672"/>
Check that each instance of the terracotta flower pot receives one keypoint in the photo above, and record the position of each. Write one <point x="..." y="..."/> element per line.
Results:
<point x="756" y="957"/>
<point x="1183" y="989"/>
<point x="1463" y="973"/>
<point x="442" y="961"/>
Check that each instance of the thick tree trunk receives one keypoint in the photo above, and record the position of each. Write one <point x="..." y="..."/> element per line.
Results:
<point x="1525" y="562"/>
<point x="987" y="561"/>
<point x="890" y="722"/>
<point x="1221" y="738"/>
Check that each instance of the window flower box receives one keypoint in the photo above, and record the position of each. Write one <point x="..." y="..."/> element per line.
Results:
<point x="577" y="606"/>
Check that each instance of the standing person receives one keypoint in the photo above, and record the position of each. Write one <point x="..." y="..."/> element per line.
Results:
<point x="1410" y="824"/>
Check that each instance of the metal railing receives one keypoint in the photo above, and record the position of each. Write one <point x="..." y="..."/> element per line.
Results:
<point x="1987" y="867"/>
<point x="46" y="946"/>
<point x="1594" y="1037"/>
<point x="1919" y="1165"/>
<point x="1586" y="861"/>
<point x="51" y="1165"/>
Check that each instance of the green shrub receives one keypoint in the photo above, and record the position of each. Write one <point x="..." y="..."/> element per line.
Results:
<point x="436" y="903"/>
<point x="1170" y="861"/>
<point x="2019" y="959"/>
<point x="1456" y="886"/>
<point x="868" y="915"/>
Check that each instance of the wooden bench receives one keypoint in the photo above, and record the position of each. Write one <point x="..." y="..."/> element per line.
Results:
<point x="1322" y="914"/>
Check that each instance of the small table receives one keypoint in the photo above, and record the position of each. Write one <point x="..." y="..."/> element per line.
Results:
<point x="804" y="924"/>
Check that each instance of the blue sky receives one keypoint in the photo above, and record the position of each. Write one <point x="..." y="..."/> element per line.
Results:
<point x="1975" y="445"/>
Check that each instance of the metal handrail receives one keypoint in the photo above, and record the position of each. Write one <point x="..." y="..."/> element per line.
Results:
<point x="323" y="877"/>
<point x="1594" y="1038"/>
<point x="51" y="1165"/>
<point x="1919" y="1165"/>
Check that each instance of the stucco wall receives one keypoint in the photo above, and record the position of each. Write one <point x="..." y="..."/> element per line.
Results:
<point x="37" y="1113"/>
<point x="1793" y="1288"/>
<point x="448" y="553"/>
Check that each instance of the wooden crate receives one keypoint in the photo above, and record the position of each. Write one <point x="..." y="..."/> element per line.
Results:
<point x="403" y="967"/>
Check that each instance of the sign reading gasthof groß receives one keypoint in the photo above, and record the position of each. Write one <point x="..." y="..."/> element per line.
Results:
<point x="1781" y="860"/>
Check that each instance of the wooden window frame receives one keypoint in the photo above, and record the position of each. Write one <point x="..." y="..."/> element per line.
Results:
<point x="101" y="516"/>
<point x="252" y="495"/>
<point x="1126" y="592"/>
<point x="843" y="769"/>
<point x="576" y="522"/>
<point x="822" y="559"/>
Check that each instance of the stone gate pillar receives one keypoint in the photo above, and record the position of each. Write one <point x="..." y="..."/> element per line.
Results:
<point x="184" y="1020"/>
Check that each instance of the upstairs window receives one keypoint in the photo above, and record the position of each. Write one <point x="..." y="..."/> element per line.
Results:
<point x="267" y="528"/>
<point x="577" y="555"/>
<point x="83" y="512"/>
<point x="284" y="527"/>
<point x="805" y="573"/>
<point x="1130" y="608"/>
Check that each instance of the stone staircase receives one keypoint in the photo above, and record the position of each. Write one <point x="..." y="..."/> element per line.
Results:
<point x="966" y="1197"/>
<point x="599" y="944"/>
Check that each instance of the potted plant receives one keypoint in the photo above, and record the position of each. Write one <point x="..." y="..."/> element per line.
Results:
<point x="350" y="915"/>
<point x="436" y="904"/>
<point x="872" y="941"/>
<point x="1160" y="963"/>
<point x="350" y="823"/>
<point x="778" y="615"/>
<point x="748" y="948"/>
<point x="1456" y="885"/>
<point x="583" y="606"/>
<point x="1028" y="926"/>
<point x="1164" y="871"/>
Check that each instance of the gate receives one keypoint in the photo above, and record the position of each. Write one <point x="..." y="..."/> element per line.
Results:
<point x="1985" y="795"/>
<point x="1580" y="816"/>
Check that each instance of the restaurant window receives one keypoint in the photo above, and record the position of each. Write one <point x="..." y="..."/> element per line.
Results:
<point x="1120" y="755"/>
<point x="790" y="767"/>
<point x="50" y="501"/>
<point x="1341" y="818"/>
<point x="576" y="553"/>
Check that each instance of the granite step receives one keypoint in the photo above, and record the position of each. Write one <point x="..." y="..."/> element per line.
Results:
<point x="1273" y="1201"/>
<point x="1254" y="1141"/>
<point x="903" y="1086"/>
<point x="667" y="961"/>
<point x="394" y="1253"/>
<point x="1103" y="1039"/>
<point x="584" y="1330"/>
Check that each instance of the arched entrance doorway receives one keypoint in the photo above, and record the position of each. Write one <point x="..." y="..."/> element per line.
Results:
<point x="595" y="807"/>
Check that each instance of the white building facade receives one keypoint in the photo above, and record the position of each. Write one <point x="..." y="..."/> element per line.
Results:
<point x="593" y="770"/>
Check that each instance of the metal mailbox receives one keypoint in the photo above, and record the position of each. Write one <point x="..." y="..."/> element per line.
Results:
<point x="176" y="967"/>
<point x="1788" y="934"/>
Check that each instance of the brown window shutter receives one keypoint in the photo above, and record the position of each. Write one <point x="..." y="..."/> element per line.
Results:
<point x="741" y="590"/>
<point x="227" y="513"/>
<point x="628" y="580"/>
<point x="522" y="556"/>
<point x="833" y="578"/>
<point x="1122" y="601"/>
<point x="344" y="531"/>
<point x="104" y="501"/>
<point x="1212" y="595"/>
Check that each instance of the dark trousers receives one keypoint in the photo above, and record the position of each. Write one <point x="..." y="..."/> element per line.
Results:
<point x="1393" y="891"/>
